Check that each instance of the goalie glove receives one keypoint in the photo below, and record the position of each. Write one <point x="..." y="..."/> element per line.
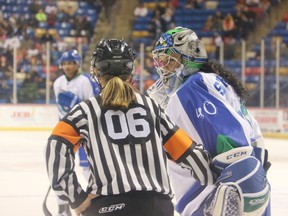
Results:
<point x="66" y="101"/>
<point x="198" y="161"/>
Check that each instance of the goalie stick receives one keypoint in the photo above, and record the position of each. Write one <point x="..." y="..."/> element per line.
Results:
<point x="44" y="206"/>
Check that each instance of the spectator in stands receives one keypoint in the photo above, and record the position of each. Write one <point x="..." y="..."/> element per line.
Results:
<point x="217" y="22"/>
<point x="156" y="24"/>
<point x="2" y="35"/>
<point x="228" y="26"/>
<point x="6" y="70"/>
<point x="196" y="4"/>
<point x="50" y="7"/>
<point x="108" y="4"/>
<point x="174" y="3"/>
<point x="252" y="3"/>
<point x="11" y="42"/>
<point x="140" y="10"/>
<point x="209" y="24"/>
<point x="35" y="7"/>
<point x="41" y="16"/>
<point x="13" y="19"/>
<point x="159" y="9"/>
<point x="265" y="5"/>
<point x="84" y="28"/>
<point x="6" y="79"/>
<point x="47" y="37"/>
<point x="33" y="51"/>
<point x="167" y="19"/>
<point x="7" y="27"/>
<point x="251" y="15"/>
<point x="243" y="25"/>
<point x="51" y="19"/>
<point x="96" y="4"/>
<point x="61" y="44"/>
<point x="28" y="32"/>
<point x="24" y="65"/>
<point x="61" y="15"/>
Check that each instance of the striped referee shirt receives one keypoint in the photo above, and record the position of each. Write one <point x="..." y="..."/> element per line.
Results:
<point x="124" y="149"/>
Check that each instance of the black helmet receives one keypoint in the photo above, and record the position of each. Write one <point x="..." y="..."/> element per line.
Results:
<point x="113" y="57"/>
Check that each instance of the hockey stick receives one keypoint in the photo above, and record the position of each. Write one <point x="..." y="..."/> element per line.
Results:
<point x="44" y="206"/>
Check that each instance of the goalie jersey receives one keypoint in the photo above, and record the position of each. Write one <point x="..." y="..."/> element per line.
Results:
<point x="205" y="102"/>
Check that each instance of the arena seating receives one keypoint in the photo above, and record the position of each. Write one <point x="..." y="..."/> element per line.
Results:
<point x="35" y="31"/>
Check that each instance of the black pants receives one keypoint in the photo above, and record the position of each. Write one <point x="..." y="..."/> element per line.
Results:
<point x="131" y="204"/>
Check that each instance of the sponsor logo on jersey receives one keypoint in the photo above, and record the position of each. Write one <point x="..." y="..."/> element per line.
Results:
<point x="111" y="208"/>
<point x="257" y="201"/>
<point x="207" y="108"/>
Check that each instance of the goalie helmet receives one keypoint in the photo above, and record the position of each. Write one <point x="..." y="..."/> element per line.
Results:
<point x="177" y="54"/>
<point x="113" y="57"/>
<point x="71" y="55"/>
<point x="182" y="41"/>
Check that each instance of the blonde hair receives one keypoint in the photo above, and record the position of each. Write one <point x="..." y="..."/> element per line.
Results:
<point x="117" y="92"/>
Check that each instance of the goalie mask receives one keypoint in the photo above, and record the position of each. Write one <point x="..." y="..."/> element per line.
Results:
<point x="113" y="57"/>
<point x="184" y="42"/>
<point x="178" y="53"/>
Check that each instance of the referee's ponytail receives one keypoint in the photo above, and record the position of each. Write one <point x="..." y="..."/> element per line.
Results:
<point x="117" y="92"/>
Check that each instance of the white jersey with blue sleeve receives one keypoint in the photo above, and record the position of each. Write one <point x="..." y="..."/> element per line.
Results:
<point x="212" y="105"/>
<point x="207" y="109"/>
<point x="68" y="93"/>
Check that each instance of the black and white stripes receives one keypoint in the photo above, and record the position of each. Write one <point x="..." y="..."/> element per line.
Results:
<point x="124" y="149"/>
<point x="199" y="161"/>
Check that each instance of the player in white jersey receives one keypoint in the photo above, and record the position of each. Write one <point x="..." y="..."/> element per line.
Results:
<point x="206" y="100"/>
<point x="69" y="89"/>
<point x="127" y="138"/>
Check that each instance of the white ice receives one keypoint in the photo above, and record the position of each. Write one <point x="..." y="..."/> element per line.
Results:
<point x="24" y="183"/>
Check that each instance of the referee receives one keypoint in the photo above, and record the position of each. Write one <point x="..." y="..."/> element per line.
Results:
<point x="123" y="134"/>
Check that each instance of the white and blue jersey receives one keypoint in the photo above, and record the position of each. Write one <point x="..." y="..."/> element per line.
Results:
<point x="218" y="120"/>
<point x="80" y="88"/>
<point x="212" y="105"/>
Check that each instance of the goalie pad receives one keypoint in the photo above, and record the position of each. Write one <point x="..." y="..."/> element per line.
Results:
<point x="249" y="176"/>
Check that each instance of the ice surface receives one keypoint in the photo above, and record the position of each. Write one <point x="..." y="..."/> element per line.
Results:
<point x="24" y="183"/>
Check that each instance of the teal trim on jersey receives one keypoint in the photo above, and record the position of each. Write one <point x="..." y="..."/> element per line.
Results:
<point x="253" y="203"/>
<point x="190" y="64"/>
<point x="224" y="144"/>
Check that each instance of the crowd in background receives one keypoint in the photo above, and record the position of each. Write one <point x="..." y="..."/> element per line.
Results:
<point x="227" y="28"/>
<point x="28" y="29"/>
<point x="65" y="26"/>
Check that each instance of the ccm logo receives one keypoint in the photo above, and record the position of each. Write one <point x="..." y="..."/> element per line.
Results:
<point x="112" y="208"/>
<point x="238" y="154"/>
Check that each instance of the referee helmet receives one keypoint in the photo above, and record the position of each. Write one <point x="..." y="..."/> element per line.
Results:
<point x="113" y="57"/>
